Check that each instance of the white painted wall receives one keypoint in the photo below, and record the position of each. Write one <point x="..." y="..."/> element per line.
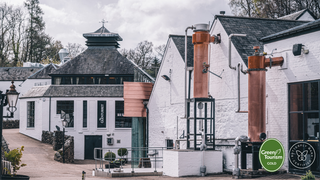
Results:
<point x="305" y="67"/>
<point x="21" y="87"/>
<point x="306" y="17"/>
<point x="188" y="163"/>
<point x="166" y="103"/>
<point x="78" y="132"/>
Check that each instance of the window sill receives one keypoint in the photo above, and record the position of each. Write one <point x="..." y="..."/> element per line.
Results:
<point x="102" y="129"/>
<point x="122" y="128"/>
<point x="30" y="128"/>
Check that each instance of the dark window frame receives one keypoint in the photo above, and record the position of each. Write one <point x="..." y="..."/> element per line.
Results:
<point x="67" y="109"/>
<point x="120" y="121"/>
<point x="93" y="79"/>
<point x="30" y="114"/>
<point x="303" y="113"/>
<point x="85" y="114"/>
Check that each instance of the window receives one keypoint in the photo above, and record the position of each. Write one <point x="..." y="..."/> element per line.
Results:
<point x="95" y="79"/>
<point x="66" y="109"/>
<point x="122" y="122"/>
<point x="30" y="114"/>
<point x="84" y="114"/>
<point x="101" y="121"/>
<point x="304" y="118"/>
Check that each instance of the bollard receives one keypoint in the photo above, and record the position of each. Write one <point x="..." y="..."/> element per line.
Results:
<point x="83" y="175"/>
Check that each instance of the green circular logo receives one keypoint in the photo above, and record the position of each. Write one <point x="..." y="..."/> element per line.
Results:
<point x="271" y="155"/>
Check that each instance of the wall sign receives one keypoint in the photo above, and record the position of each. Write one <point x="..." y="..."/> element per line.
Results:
<point x="271" y="155"/>
<point x="302" y="155"/>
<point x="101" y="114"/>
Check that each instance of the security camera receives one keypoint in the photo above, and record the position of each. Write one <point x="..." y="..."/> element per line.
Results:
<point x="108" y="134"/>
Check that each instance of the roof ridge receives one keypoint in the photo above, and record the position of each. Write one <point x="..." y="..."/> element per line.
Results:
<point x="253" y="18"/>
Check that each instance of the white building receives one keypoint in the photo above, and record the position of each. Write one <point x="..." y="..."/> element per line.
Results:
<point x="24" y="79"/>
<point x="89" y="89"/>
<point x="166" y="104"/>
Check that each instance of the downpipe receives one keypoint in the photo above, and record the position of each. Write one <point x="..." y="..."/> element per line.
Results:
<point x="186" y="68"/>
<point x="230" y="36"/>
<point x="244" y="72"/>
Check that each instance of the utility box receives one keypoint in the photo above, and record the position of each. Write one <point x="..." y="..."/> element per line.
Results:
<point x="110" y="141"/>
<point x="296" y="49"/>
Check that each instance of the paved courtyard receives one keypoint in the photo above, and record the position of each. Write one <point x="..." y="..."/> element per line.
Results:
<point x="40" y="164"/>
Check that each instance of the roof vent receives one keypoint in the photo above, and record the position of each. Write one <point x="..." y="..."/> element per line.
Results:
<point x="222" y="12"/>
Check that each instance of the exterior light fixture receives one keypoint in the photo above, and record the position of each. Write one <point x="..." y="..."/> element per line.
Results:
<point x="64" y="123"/>
<point x="165" y="77"/>
<point x="12" y="98"/>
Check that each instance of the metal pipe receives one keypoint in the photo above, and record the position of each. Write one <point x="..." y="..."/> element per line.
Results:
<point x="236" y="151"/>
<point x="49" y="113"/>
<point x="238" y="111"/>
<point x="243" y="71"/>
<point x="230" y="36"/>
<point x="186" y="66"/>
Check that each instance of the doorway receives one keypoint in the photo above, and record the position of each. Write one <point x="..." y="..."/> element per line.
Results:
<point x="91" y="142"/>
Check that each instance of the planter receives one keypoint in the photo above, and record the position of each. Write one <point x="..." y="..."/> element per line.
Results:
<point x="111" y="166"/>
<point x="18" y="177"/>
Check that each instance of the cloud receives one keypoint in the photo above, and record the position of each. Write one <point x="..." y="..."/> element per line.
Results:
<point x="155" y="20"/>
<point x="62" y="16"/>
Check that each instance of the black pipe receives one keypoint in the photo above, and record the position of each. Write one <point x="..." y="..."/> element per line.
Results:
<point x="49" y="113"/>
<point x="188" y="112"/>
<point x="1" y="120"/>
<point x="147" y="125"/>
<point x="63" y="145"/>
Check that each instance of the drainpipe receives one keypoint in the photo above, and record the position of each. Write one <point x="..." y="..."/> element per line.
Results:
<point x="238" y="111"/>
<point x="230" y="36"/>
<point x="49" y="113"/>
<point x="145" y="103"/>
<point x="186" y="66"/>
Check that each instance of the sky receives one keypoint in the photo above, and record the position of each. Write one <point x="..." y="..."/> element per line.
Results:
<point x="134" y="20"/>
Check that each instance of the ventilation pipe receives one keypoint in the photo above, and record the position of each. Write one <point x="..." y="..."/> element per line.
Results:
<point x="186" y="69"/>
<point x="238" y="110"/>
<point x="230" y="36"/>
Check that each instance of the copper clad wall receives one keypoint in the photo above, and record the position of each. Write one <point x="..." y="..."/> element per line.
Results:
<point x="134" y="93"/>
<point x="200" y="40"/>
<point x="256" y="98"/>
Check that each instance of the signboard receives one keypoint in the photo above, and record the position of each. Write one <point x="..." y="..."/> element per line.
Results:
<point x="101" y="114"/>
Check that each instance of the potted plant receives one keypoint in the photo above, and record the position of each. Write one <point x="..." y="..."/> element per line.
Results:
<point x="110" y="156"/>
<point x="14" y="156"/>
<point x="308" y="176"/>
<point x="122" y="152"/>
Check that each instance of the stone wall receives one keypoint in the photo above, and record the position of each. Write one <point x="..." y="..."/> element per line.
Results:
<point x="47" y="137"/>
<point x="5" y="148"/>
<point x="68" y="150"/>
<point x="56" y="139"/>
<point x="10" y="124"/>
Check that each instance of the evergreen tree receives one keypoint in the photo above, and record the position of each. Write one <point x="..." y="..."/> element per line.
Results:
<point x="36" y="38"/>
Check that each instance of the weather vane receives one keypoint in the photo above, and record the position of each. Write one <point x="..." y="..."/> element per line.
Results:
<point x="103" y="21"/>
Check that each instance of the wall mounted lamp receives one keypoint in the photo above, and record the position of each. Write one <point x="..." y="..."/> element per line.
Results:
<point x="165" y="77"/>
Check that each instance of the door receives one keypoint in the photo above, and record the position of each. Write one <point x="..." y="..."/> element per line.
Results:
<point x="90" y="143"/>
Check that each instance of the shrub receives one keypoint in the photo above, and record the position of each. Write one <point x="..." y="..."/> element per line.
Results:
<point x="14" y="156"/>
<point x="308" y="176"/>
<point x="122" y="151"/>
<point x="110" y="156"/>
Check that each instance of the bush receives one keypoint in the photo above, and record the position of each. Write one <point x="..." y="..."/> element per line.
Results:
<point x="110" y="156"/>
<point x="122" y="151"/>
<point x="14" y="156"/>
<point x="308" y="176"/>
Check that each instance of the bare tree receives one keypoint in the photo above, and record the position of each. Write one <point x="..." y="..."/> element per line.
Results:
<point x="75" y="49"/>
<point x="5" y="26"/>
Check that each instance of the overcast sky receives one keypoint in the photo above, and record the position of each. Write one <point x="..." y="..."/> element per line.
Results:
<point x="134" y="20"/>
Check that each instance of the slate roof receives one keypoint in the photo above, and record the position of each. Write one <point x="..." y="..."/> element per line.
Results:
<point x="96" y="60"/>
<point x="179" y="41"/>
<point x="296" y="31"/>
<point x="17" y="73"/>
<point x="255" y="28"/>
<point x="75" y="91"/>
<point x="102" y="37"/>
<point x="297" y="15"/>
<point x="44" y="72"/>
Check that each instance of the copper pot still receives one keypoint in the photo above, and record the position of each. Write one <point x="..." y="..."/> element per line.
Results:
<point x="256" y="96"/>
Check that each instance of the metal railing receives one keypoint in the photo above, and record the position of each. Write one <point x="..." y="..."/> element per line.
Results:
<point x="142" y="158"/>
<point x="140" y="75"/>
<point x="6" y="166"/>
